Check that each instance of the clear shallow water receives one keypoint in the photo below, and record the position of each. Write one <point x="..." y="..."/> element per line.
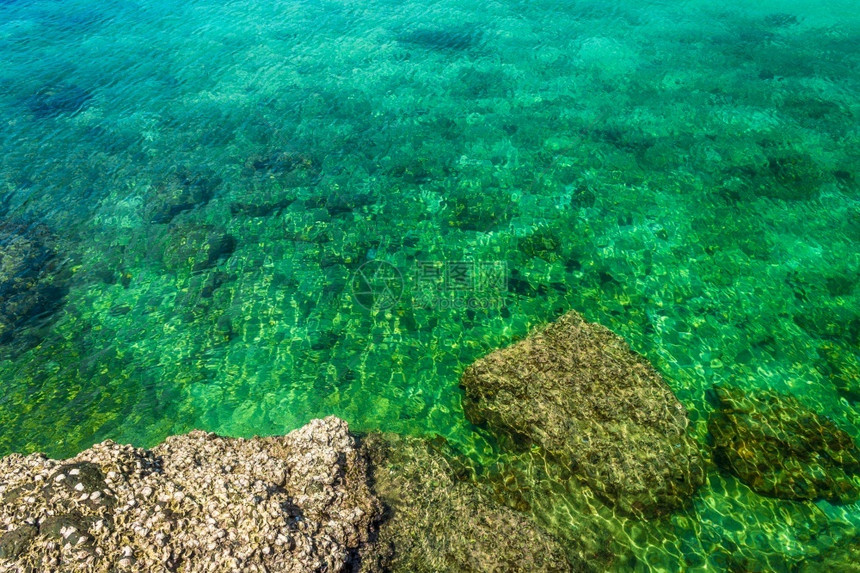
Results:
<point x="684" y="173"/>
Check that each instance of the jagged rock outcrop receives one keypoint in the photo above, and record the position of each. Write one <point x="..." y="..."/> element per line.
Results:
<point x="578" y="391"/>
<point x="439" y="519"/>
<point x="197" y="502"/>
<point x="782" y="449"/>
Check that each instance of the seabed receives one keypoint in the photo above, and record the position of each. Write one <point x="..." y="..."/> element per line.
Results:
<point x="241" y="216"/>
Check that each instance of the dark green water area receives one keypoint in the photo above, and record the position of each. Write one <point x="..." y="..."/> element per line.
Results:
<point x="238" y="216"/>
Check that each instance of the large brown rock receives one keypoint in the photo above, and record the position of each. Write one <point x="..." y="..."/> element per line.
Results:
<point x="197" y="502"/>
<point x="439" y="519"/>
<point x="578" y="391"/>
<point x="782" y="449"/>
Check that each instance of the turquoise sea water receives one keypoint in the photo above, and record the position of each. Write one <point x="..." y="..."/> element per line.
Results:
<point x="215" y="175"/>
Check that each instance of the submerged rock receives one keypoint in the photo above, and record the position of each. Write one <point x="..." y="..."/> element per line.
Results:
<point x="277" y="162"/>
<point x="479" y="212"/>
<point x="251" y="207"/>
<point x="844" y="556"/>
<point x="454" y="39"/>
<point x="438" y="519"/>
<point x="180" y="191"/>
<point x="782" y="449"/>
<point x="30" y="284"/>
<point x="288" y="168"/>
<point x="197" y="502"/>
<point x="196" y="246"/>
<point x="591" y="534"/>
<point x="578" y="391"/>
<point x="340" y="202"/>
<point x="58" y="99"/>
<point x="542" y="243"/>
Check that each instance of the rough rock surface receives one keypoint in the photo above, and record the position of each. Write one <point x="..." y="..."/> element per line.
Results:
<point x="196" y="502"/>
<point x="30" y="286"/>
<point x="577" y="390"/>
<point x="438" y="519"/>
<point x="782" y="449"/>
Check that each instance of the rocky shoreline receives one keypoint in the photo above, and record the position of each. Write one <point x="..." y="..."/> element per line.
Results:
<point x="322" y="499"/>
<point x="197" y="502"/>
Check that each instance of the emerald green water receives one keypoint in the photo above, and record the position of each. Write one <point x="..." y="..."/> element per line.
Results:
<point x="684" y="173"/>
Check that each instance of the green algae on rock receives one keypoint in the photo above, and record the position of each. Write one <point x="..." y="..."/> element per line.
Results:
<point x="197" y="502"/>
<point x="590" y="531"/>
<point x="578" y="391"/>
<point x="288" y="168"/>
<point x="181" y="190"/>
<point x="780" y="448"/>
<point x="843" y="557"/>
<point x="30" y="285"/>
<point x="196" y="246"/>
<point x="439" y="519"/>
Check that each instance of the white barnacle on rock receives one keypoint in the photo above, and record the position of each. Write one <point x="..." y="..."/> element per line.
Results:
<point x="231" y="518"/>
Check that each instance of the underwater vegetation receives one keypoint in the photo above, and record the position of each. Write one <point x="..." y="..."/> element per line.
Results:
<point x="443" y="39"/>
<point x="579" y="392"/>
<point x="181" y="190"/>
<point x="195" y="246"/>
<point x="780" y="448"/>
<point x="213" y="176"/>
<point x="440" y="519"/>
<point x="58" y="99"/>
<point x="31" y="282"/>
